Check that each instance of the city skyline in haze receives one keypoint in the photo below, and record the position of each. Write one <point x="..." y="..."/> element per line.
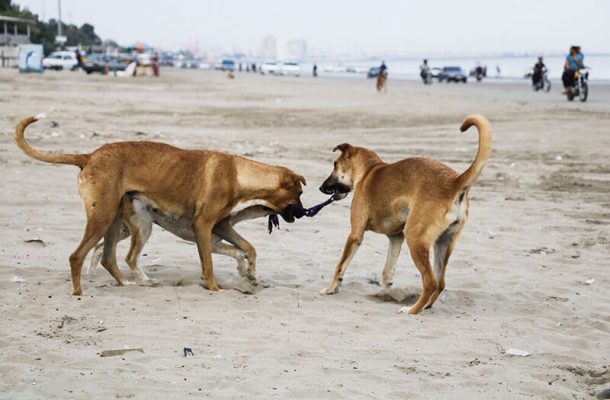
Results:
<point x="346" y="28"/>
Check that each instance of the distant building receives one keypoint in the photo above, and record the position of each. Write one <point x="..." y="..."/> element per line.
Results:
<point x="295" y="49"/>
<point x="13" y="32"/>
<point x="268" y="48"/>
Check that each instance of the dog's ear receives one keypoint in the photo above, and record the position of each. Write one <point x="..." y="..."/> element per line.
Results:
<point x="301" y="178"/>
<point x="346" y="149"/>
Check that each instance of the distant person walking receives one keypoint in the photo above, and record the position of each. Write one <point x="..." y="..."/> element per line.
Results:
<point x="574" y="61"/>
<point x="382" y="78"/>
<point x="79" y="59"/>
<point x="155" y="63"/>
<point x="315" y="70"/>
<point x="424" y="72"/>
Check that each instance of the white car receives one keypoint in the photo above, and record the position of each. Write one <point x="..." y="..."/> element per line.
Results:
<point x="61" y="60"/>
<point x="289" y="68"/>
<point x="270" y="68"/>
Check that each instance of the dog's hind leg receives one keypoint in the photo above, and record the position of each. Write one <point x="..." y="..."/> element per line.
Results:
<point x="109" y="254"/>
<point x="420" y="232"/>
<point x="225" y="231"/>
<point x="140" y="227"/>
<point x="97" y="225"/>
<point x="98" y="250"/>
<point x="387" y="276"/>
<point x="233" y="252"/>
<point x="442" y="251"/>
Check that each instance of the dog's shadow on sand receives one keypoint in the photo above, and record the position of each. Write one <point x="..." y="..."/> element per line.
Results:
<point x="394" y="295"/>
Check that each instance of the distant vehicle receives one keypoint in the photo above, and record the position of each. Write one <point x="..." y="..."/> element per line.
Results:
<point x="59" y="60"/>
<point x="580" y="87"/>
<point x="373" y="72"/>
<point x="98" y="63"/>
<point x="289" y="68"/>
<point x="227" y="65"/>
<point x="435" y="73"/>
<point x="335" y="68"/>
<point x="270" y="68"/>
<point x="455" y="74"/>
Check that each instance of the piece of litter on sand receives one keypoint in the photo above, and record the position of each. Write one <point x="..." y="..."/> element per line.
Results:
<point x="558" y="157"/>
<point x="590" y="281"/>
<point x="604" y="394"/>
<point x="110" y="353"/>
<point x="403" y="310"/>
<point x="188" y="352"/>
<point x="37" y="241"/>
<point x="517" y="352"/>
<point x="17" y="279"/>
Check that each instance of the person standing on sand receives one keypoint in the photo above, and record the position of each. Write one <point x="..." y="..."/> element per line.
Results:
<point x="574" y="61"/>
<point x="539" y="70"/>
<point x="315" y="70"/>
<point x="155" y="63"/>
<point x="79" y="58"/>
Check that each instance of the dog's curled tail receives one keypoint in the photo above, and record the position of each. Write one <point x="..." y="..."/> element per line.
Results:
<point x="57" y="158"/>
<point x="472" y="173"/>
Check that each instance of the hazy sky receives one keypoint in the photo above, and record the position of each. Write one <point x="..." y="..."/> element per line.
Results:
<point x="376" y="27"/>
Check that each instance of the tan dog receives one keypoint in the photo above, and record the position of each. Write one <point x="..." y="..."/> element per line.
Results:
<point x="194" y="185"/>
<point x="138" y="217"/>
<point x="419" y="199"/>
<point x="382" y="81"/>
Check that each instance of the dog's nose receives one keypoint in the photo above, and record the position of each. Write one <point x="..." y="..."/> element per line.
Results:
<point x="325" y="190"/>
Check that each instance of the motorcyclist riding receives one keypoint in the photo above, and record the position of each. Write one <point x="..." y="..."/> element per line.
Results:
<point x="574" y="62"/>
<point x="539" y="70"/>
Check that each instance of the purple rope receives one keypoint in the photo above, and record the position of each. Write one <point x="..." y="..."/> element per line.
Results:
<point x="299" y="212"/>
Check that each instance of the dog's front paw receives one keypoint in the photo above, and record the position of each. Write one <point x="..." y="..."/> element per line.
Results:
<point x="332" y="289"/>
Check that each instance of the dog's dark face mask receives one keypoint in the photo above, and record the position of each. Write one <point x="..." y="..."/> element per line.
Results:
<point x="340" y="181"/>
<point x="289" y="198"/>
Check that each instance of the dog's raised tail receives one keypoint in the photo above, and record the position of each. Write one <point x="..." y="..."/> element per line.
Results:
<point x="472" y="173"/>
<point x="58" y="158"/>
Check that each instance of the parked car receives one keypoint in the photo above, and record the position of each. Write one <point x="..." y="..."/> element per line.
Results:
<point x="270" y="68"/>
<point x="435" y="73"/>
<point x="290" y="68"/>
<point x="59" y="60"/>
<point x="373" y="72"/>
<point x="455" y="74"/>
<point x="227" y="65"/>
<point x="98" y="63"/>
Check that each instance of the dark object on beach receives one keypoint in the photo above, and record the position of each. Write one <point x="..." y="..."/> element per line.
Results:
<point x="188" y="352"/>
<point x="604" y="394"/>
<point x="299" y="212"/>
<point x="453" y="73"/>
<point x="110" y="353"/>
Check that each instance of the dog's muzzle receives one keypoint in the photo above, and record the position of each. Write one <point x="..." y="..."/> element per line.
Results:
<point x="331" y="186"/>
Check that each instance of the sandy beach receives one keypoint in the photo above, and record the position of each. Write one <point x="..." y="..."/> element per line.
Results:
<point x="530" y="270"/>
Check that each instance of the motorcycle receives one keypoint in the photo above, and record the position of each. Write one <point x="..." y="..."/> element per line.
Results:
<point x="543" y="83"/>
<point x="580" y="87"/>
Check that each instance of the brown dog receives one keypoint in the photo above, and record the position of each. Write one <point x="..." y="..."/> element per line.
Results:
<point x="194" y="185"/>
<point x="138" y="217"/>
<point x="382" y="81"/>
<point x="419" y="199"/>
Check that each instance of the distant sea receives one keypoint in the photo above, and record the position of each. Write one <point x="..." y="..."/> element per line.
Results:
<point x="510" y="68"/>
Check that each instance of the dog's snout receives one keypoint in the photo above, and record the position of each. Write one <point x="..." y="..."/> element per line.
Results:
<point x="327" y="186"/>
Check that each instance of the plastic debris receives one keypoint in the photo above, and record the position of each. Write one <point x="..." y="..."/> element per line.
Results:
<point x="590" y="281"/>
<point x="517" y="352"/>
<point x="188" y="352"/>
<point x="111" y="353"/>
<point x="37" y="241"/>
